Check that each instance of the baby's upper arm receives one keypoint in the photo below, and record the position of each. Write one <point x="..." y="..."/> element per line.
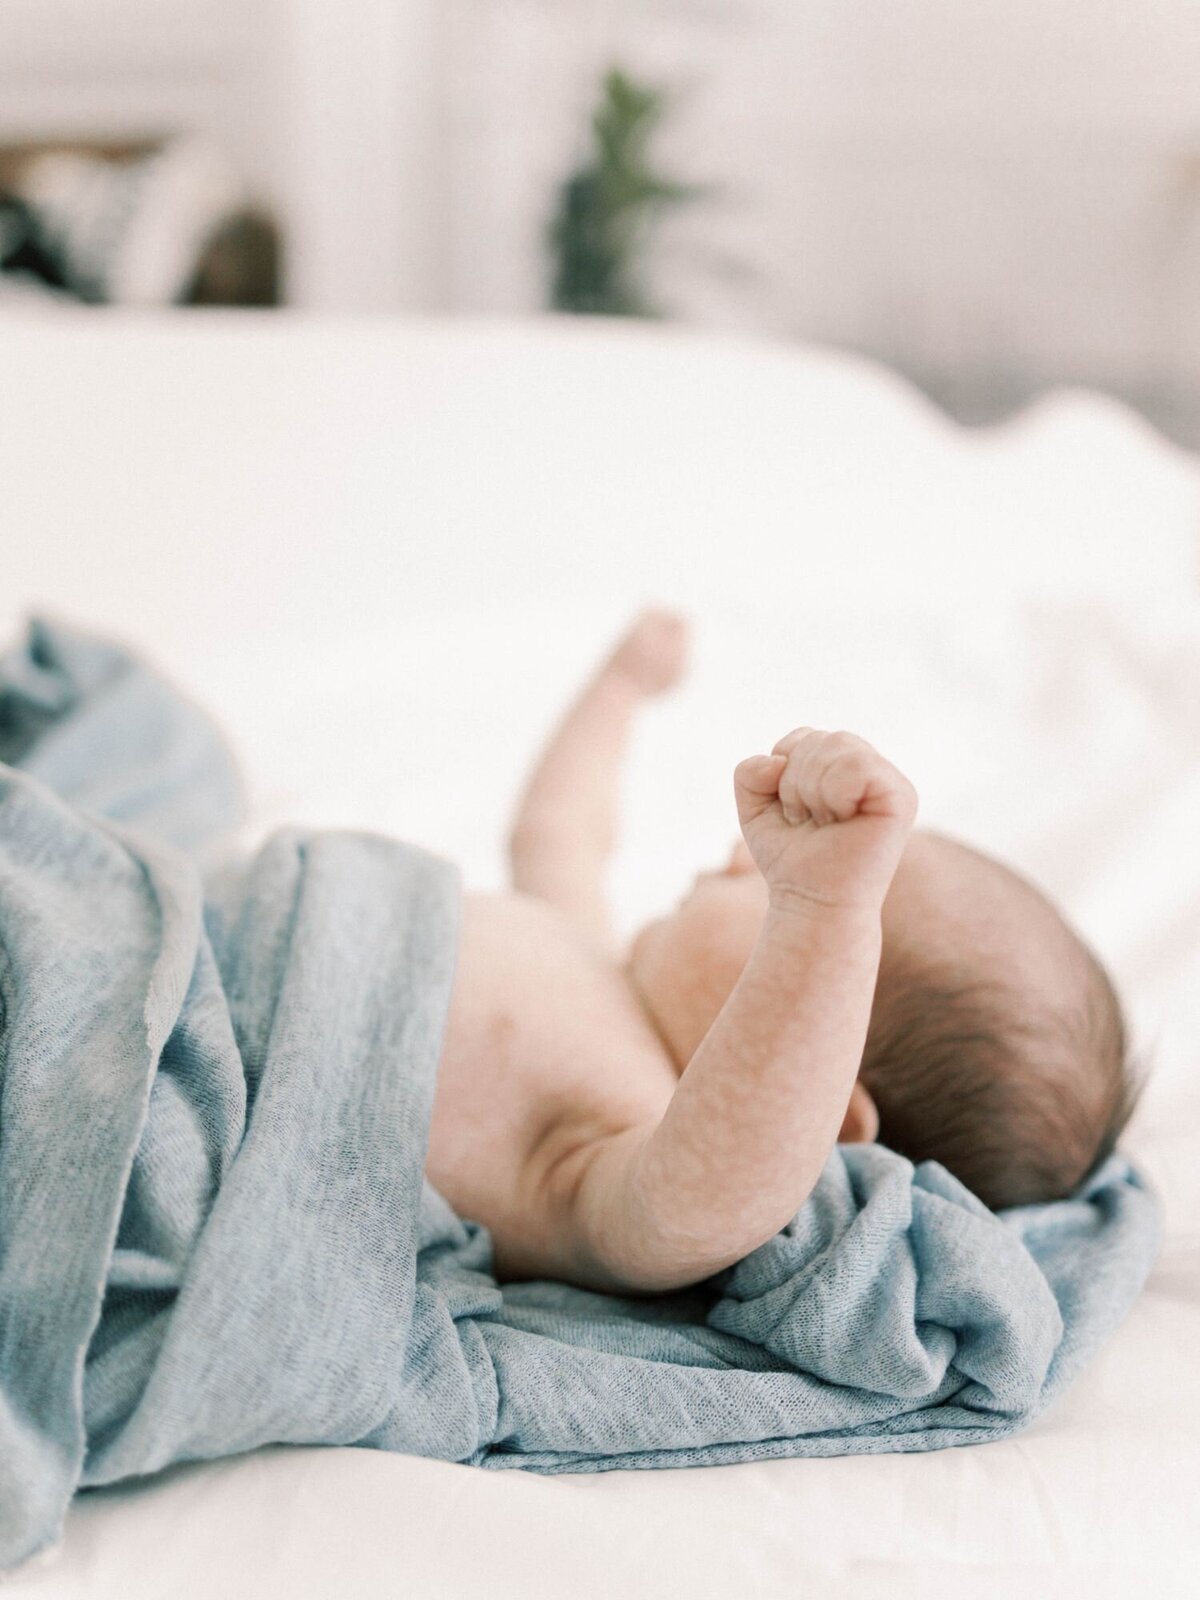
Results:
<point x="586" y="1185"/>
<point x="568" y="875"/>
<point x="743" y="1139"/>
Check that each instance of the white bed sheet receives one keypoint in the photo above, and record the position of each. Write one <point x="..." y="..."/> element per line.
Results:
<point x="331" y="528"/>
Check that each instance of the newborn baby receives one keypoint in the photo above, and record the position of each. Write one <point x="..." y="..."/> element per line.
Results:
<point x="636" y="1122"/>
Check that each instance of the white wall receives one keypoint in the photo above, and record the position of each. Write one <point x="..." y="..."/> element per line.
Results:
<point x="361" y="178"/>
<point x="989" y="193"/>
<point x="132" y="69"/>
<point x="1010" y="185"/>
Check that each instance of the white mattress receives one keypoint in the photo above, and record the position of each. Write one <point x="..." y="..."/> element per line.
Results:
<point x="386" y="552"/>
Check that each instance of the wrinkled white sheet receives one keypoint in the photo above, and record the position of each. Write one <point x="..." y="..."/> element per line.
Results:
<point x="304" y="519"/>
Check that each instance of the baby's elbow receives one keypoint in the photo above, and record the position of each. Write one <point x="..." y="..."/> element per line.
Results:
<point x="624" y="1239"/>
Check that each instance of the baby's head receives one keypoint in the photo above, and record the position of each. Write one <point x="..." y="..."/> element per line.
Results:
<point x="996" y="1043"/>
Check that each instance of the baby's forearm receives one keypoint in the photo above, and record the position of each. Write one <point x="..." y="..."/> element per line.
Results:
<point x="753" y="1119"/>
<point x="572" y="794"/>
<point x="566" y="823"/>
<point x="565" y="826"/>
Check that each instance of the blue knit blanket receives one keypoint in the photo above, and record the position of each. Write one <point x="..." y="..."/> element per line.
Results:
<point x="215" y="1232"/>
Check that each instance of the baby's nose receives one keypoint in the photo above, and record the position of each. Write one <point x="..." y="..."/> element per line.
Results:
<point x="741" y="860"/>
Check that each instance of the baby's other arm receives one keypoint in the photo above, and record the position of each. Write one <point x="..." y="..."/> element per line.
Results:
<point x="565" y="827"/>
<point x="755" y="1116"/>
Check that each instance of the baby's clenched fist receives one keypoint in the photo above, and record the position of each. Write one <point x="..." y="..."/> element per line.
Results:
<point x="826" y="818"/>
<point x="652" y="654"/>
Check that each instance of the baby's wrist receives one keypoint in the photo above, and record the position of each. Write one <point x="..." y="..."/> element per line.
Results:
<point x="800" y="904"/>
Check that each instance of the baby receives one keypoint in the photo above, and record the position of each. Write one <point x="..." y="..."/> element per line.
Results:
<point x="635" y="1125"/>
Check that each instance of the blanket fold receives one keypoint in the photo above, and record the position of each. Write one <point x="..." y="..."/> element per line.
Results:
<point x="216" y="1079"/>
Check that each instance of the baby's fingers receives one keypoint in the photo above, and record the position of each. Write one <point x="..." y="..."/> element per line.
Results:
<point x="756" y="785"/>
<point x="832" y="777"/>
<point x="804" y="750"/>
<point x="844" y="785"/>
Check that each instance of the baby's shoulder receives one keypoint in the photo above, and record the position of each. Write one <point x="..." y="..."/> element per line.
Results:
<point x="523" y="956"/>
<point x="576" y="1026"/>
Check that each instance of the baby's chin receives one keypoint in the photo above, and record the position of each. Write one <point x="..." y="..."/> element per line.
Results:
<point x="636" y="952"/>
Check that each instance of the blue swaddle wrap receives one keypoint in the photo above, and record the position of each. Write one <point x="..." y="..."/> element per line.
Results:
<point x="215" y="1232"/>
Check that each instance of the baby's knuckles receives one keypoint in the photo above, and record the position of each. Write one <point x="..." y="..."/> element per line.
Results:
<point x="898" y="798"/>
<point x="870" y="786"/>
<point x="831" y="773"/>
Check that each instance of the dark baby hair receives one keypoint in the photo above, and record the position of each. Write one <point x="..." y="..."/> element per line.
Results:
<point x="1020" y="1104"/>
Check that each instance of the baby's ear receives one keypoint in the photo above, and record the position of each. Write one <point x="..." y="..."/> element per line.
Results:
<point x="860" y="1125"/>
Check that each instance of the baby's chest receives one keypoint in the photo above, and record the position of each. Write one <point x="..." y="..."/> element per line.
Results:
<point x="542" y="1038"/>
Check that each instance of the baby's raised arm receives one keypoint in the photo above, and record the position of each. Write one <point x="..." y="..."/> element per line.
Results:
<point x="566" y="820"/>
<point x="754" y="1117"/>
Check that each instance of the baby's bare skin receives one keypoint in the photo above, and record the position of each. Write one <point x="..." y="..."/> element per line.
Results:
<point x="547" y="1049"/>
<point x="561" y="1120"/>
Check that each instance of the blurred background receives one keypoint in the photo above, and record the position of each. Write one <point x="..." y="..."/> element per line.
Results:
<point x="992" y="198"/>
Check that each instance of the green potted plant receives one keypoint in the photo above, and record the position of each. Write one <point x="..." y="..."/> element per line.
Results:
<point x="605" y="208"/>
